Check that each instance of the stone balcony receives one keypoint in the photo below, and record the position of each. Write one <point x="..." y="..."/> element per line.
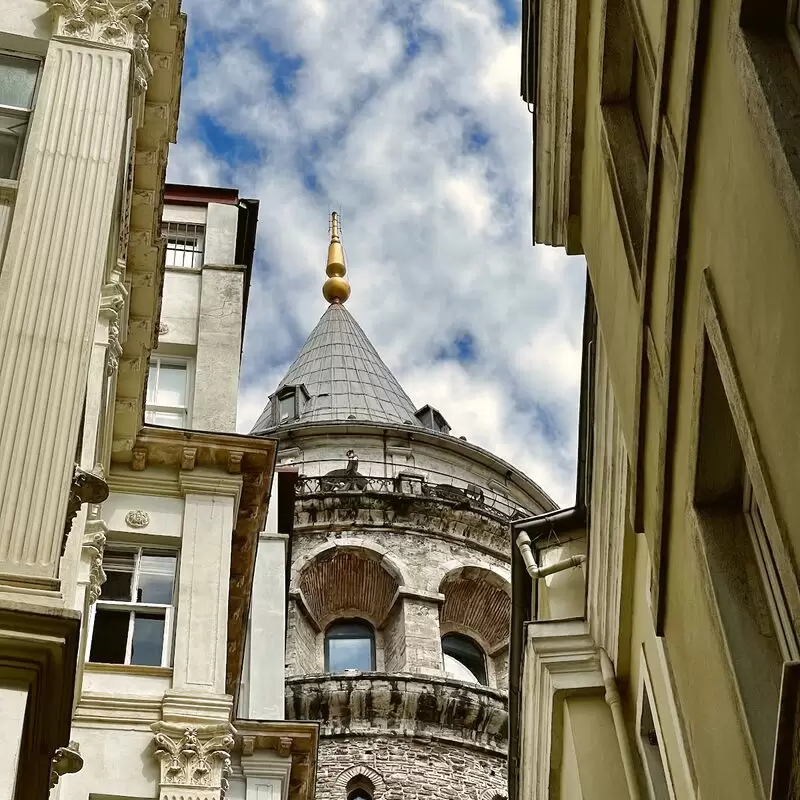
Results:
<point x="402" y="705"/>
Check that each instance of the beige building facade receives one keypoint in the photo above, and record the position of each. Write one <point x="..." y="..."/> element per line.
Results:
<point x="665" y="149"/>
<point x="131" y="514"/>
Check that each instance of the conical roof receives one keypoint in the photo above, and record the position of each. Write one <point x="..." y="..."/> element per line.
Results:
<point x="343" y="376"/>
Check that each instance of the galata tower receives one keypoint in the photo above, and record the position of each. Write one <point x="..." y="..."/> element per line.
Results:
<point x="399" y="598"/>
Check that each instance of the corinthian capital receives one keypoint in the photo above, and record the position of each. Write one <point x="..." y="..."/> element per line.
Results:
<point x="194" y="757"/>
<point x="109" y="22"/>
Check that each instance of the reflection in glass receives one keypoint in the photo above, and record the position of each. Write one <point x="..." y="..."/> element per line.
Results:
<point x="110" y="636"/>
<point x="156" y="578"/>
<point x="118" y="566"/>
<point x="349" y="644"/>
<point x="148" y="640"/>
<point x="463" y="659"/>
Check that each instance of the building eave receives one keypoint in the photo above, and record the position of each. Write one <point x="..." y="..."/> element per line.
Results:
<point x="142" y="261"/>
<point x="554" y="80"/>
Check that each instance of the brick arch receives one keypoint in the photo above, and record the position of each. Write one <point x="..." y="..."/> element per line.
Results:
<point x="477" y="600"/>
<point x="356" y="771"/>
<point x="344" y="581"/>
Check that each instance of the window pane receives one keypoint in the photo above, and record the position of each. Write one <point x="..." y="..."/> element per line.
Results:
<point x="17" y="81"/>
<point x="118" y="566"/>
<point x="148" y="639"/>
<point x="349" y="654"/>
<point x="110" y="636"/>
<point x="287" y="408"/>
<point x="171" y="385"/>
<point x="173" y="419"/>
<point x="12" y="136"/>
<point x="156" y="578"/>
<point x="455" y="669"/>
<point x="152" y="378"/>
<point x="461" y="655"/>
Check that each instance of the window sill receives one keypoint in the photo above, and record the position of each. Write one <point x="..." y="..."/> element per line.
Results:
<point x="128" y="669"/>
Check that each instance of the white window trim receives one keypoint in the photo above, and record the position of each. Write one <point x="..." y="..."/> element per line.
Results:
<point x="646" y="689"/>
<point x="132" y="607"/>
<point x="188" y="363"/>
<point x="23" y="113"/>
<point x="197" y="251"/>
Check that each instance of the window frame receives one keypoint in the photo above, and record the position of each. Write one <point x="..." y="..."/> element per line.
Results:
<point x="132" y="607"/>
<point x="187" y="364"/>
<point x="22" y="113"/>
<point x="350" y="621"/>
<point x="185" y="231"/>
<point x="645" y="696"/>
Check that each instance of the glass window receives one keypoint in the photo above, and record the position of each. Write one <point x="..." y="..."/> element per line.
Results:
<point x="185" y="244"/>
<point x="167" y="393"/>
<point x="349" y="644"/>
<point x="132" y="618"/>
<point x="463" y="659"/>
<point x="17" y="89"/>
<point x="287" y="405"/>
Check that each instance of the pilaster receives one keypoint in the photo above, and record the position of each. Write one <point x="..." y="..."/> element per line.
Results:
<point x="54" y="267"/>
<point x="266" y="773"/>
<point x="203" y="582"/>
<point x="417" y="621"/>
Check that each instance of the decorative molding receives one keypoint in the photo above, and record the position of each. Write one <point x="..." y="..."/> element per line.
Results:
<point x="104" y="22"/>
<point x="94" y="542"/>
<point x="357" y="771"/>
<point x="86" y="487"/>
<point x="163" y="329"/>
<point x="194" y="756"/>
<point x="65" y="761"/>
<point x="137" y="518"/>
<point x="561" y="657"/>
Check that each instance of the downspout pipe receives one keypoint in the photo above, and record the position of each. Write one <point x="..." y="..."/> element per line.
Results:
<point x="534" y="570"/>
<point x="615" y="704"/>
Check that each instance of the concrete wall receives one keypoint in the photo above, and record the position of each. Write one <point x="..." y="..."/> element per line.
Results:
<point x="202" y="313"/>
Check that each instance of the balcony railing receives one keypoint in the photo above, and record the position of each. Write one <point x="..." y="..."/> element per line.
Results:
<point x="369" y="477"/>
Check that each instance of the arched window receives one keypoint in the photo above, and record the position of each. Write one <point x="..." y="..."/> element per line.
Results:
<point x="360" y="788"/>
<point x="463" y="659"/>
<point x="349" y="644"/>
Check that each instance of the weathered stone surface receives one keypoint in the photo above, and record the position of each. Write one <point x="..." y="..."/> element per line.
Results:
<point x="410" y="768"/>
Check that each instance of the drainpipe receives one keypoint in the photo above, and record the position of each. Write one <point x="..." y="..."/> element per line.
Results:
<point x="615" y="704"/>
<point x="534" y="570"/>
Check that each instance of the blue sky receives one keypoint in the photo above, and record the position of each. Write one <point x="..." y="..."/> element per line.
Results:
<point x="405" y="117"/>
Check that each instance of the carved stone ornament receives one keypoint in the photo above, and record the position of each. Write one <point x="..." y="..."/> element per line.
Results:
<point x="194" y="756"/>
<point x="120" y="24"/>
<point x="87" y="487"/>
<point x="163" y="328"/>
<point x="65" y="761"/>
<point x="94" y="543"/>
<point x="137" y="518"/>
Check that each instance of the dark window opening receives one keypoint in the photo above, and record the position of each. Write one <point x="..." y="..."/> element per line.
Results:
<point x="463" y="659"/>
<point x="350" y="644"/>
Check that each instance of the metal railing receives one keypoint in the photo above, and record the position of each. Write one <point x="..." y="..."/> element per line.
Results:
<point x="371" y="478"/>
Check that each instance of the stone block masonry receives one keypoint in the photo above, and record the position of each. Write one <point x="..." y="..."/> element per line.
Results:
<point x="410" y="768"/>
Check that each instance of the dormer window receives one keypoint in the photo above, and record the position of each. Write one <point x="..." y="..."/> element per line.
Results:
<point x="289" y="402"/>
<point x="432" y="419"/>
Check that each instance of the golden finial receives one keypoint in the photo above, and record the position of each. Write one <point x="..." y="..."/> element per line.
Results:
<point x="336" y="289"/>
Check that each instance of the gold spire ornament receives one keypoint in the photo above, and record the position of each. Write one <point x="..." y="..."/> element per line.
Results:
<point x="336" y="289"/>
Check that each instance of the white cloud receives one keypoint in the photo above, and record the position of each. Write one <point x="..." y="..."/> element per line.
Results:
<point x="407" y="117"/>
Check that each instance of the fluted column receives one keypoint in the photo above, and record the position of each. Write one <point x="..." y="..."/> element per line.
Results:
<point x="54" y="268"/>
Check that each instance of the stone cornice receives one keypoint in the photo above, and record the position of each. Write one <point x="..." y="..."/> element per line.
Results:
<point x="238" y="461"/>
<point x="410" y="705"/>
<point x="297" y="740"/>
<point x="556" y="92"/>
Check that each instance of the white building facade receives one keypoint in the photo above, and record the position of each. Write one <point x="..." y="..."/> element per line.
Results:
<point x="131" y="514"/>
